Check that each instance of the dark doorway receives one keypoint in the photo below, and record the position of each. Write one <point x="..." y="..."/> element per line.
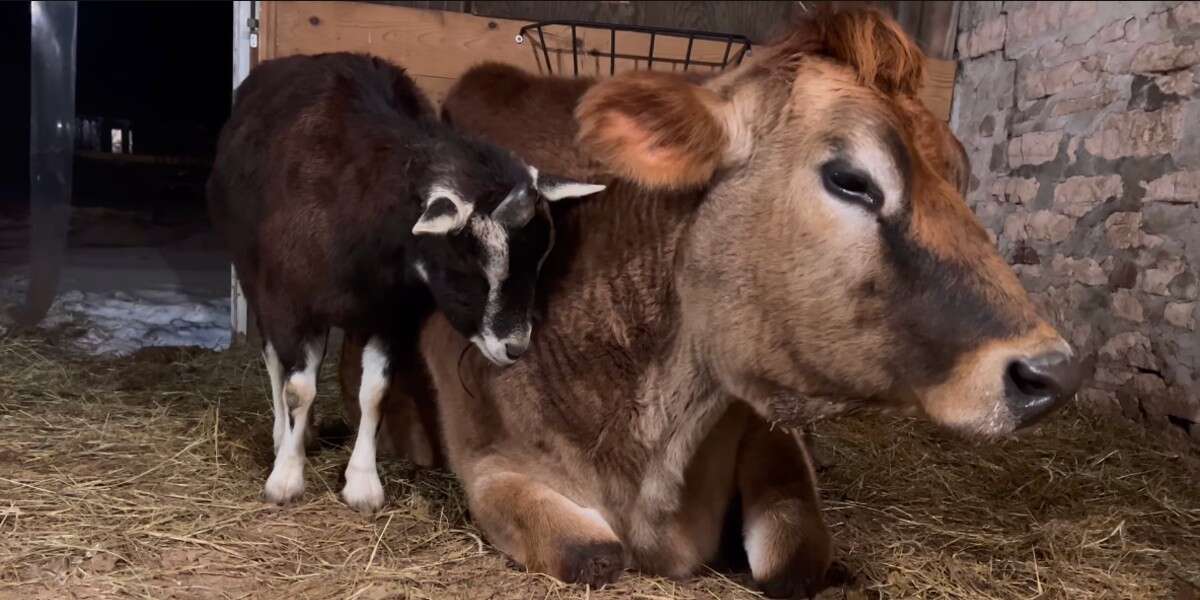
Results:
<point x="153" y="87"/>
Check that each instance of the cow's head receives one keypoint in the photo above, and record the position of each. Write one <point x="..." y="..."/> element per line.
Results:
<point x="833" y="255"/>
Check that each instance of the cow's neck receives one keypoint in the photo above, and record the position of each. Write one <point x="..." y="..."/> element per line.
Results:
<point x="629" y="247"/>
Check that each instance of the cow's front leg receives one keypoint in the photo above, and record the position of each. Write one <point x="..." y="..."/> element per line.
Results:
<point x="543" y="530"/>
<point x="785" y="537"/>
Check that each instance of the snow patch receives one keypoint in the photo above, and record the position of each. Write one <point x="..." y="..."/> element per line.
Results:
<point x="121" y="322"/>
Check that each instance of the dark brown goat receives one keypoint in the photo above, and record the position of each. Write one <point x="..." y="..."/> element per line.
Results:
<point x="346" y="203"/>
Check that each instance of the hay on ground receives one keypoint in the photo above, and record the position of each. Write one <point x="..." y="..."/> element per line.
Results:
<point x="140" y="477"/>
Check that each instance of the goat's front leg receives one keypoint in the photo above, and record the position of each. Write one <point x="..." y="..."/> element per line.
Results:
<point x="785" y="537"/>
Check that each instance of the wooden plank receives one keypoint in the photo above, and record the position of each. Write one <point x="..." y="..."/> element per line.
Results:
<point x="436" y="47"/>
<point x="939" y="29"/>
<point x="757" y="20"/>
<point x="426" y="42"/>
<point x="938" y="91"/>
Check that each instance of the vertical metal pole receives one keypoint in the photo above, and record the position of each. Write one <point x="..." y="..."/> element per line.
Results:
<point x="51" y="151"/>
<point x="612" y="51"/>
<point x="238" y="313"/>
<point x="650" y="62"/>
<point x="574" y="52"/>
<point x="545" y="52"/>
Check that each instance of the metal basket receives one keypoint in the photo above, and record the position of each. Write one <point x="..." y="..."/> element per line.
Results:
<point x="736" y="47"/>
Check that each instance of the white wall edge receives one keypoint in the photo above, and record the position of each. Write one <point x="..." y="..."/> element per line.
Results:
<point x="242" y="12"/>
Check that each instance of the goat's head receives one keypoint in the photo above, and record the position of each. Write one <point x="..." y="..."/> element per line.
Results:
<point x="483" y="234"/>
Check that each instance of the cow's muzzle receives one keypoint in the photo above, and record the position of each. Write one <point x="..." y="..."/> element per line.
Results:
<point x="1034" y="387"/>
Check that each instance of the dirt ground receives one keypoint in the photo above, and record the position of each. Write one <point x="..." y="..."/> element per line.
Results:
<point x="140" y="477"/>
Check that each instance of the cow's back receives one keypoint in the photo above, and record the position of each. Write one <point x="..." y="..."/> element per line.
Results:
<point x="530" y="115"/>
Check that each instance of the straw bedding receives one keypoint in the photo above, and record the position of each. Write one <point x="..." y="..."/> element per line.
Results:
<point x="140" y="477"/>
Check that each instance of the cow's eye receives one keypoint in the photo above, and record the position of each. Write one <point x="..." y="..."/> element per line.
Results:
<point x="851" y="185"/>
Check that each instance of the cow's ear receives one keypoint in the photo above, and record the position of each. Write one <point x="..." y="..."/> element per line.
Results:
<point x="445" y="212"/>
<point x="657" y="129"/>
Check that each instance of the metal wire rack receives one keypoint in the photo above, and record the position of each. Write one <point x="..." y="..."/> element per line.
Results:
<point x="736" y="47"/>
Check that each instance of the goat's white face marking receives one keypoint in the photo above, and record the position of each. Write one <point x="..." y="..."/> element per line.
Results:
<point x="440" y="218"/>
<point x="494" y="241"/>
<point x="422" y="272"/>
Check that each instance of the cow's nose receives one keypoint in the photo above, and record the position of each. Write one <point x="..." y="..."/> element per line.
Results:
<point x="514" y="350"/>
<point x="1036" y="386"/>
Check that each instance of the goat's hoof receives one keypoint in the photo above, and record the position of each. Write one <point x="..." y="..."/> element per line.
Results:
<point x="363" y="491"/>
<point x="286" y="482"/>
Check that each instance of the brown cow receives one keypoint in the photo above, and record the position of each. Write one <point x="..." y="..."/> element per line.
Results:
<point x="778" y="240"/>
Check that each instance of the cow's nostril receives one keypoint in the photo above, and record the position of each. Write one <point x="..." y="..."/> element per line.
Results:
<point x="514" y="351"/>
<point x="1029" y="381"/>
<point x="1036" y="385"/>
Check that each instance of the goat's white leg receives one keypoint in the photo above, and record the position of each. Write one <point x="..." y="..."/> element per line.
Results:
<point x="286" y="481"/>
<point x="364" y="491"/>
<point x="275" y="372"/>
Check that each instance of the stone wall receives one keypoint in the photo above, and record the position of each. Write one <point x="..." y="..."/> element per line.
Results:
<point x="1082" y="121"/>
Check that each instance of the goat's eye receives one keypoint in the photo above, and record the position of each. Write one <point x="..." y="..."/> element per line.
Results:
<point x="851" y="185"/>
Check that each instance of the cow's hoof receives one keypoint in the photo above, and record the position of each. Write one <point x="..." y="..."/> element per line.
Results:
<point x="804" y="583"/>
<point x="286" y="482"/>
<point x="363" y="491"/>
<point x="595" y="564"/>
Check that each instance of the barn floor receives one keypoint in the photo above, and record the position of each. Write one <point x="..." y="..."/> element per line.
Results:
<point x="139" y="477"/>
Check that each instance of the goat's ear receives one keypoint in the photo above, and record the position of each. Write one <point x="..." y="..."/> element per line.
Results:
<point x="555" y="188"/>
<point x="444" y="214"/>
<point x="516" y="210"/>
<point x="658" y="129"/>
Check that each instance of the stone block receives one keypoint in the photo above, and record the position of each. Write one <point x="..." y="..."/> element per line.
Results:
<point x="1136" y="133"/>
<point x="1056" y="80"/>
<point x="1078" y="270"/>
<point x="1016" y="190"/>
<point x="1180" y="187"/>
<point x="1157" y="281"/>
<point x="986" y="37"/>
<point x="1182" y="83"/>
<point x="1033" y="148"/>
<point x="1181" y="315"/>
<point x="1123" y="230"/>
<point x="1125" y="305"/>
<point x="1130" y="348"/>
<point x="1078" y="195"/>
<point x="1044" y="225"/>
<point x="1165" y="56"/>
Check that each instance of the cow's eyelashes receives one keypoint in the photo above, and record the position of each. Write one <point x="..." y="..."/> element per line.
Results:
<point x="851" y="185"/>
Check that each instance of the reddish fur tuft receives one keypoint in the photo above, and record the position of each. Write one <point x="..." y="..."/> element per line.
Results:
<point x="872" y="43"/>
